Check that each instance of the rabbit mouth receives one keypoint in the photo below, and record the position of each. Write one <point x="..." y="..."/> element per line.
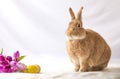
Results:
<point x="75" y="37"/>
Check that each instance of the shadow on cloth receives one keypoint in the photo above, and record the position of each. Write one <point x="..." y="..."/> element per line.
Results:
<point x="108" y="73"/>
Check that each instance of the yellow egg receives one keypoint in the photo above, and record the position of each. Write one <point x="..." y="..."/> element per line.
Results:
<point x="33" y="68"/>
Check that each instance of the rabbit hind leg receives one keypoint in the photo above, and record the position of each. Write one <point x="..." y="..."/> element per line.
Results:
<point x="98" y="67"/>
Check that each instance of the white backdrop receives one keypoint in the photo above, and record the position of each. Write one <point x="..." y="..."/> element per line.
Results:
<point x="36" y="27"/>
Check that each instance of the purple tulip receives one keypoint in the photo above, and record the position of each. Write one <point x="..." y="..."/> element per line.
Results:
<point x="2" y="58"/>
<point x="16" y="55"/>
<point x="5" y="63"/>
<point x="13" y="63"/>
<point x="7" y="69"/>
<point x="14" y="66"/>
<point x="21" y="66"/>
<point x="9" y="58"/>
<point x="9" y="64"/>
<point x="1" y="68"/>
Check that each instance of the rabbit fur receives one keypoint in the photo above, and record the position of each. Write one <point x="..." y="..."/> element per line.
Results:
<point x="86" y="49"/>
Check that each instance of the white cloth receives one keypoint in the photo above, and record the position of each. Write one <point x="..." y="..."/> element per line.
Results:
<point x="110" y="73"/>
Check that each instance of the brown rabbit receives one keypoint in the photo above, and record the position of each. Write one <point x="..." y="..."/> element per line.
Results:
<point x="87" y="50"/>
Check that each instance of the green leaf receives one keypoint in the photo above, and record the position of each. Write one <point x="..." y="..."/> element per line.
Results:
<point x="1" y="51"/>
<point x="21" y="57"/>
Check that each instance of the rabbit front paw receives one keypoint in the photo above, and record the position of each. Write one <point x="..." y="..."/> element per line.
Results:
<point x="77" y="69"/>
<point x="83" y="69"/>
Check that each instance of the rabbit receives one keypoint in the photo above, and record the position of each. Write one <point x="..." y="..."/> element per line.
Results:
<point x="86" y="49"/>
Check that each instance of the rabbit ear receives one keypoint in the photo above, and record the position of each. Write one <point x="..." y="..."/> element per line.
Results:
<point x="79" y="15"/>
<point x="71" y="14"/>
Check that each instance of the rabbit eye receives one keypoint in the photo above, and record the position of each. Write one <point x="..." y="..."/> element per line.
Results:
<point x="78" y="25"/>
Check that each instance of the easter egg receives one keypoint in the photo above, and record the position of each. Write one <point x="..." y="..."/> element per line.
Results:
<point x="33" y="68"/>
